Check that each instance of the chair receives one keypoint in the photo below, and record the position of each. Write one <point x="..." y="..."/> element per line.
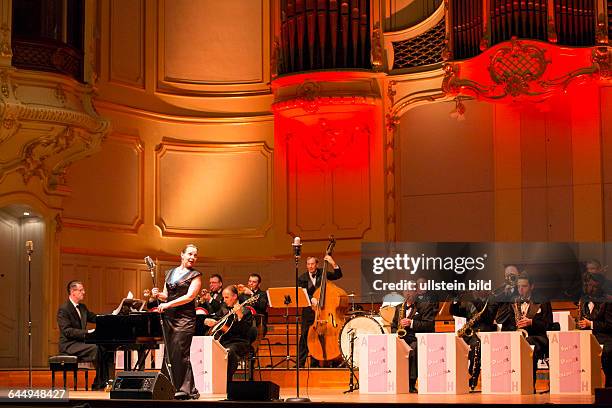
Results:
<point x="261" y="323"/>
<point x="252" y="356"/>
<point x="66" y="363"/>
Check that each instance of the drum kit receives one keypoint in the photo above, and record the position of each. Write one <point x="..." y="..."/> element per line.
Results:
<point x="360" y="323"/>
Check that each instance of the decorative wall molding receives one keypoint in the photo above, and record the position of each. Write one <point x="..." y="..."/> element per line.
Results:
<point x="310" y="92"/>
<point x="48" y="122"/>
<point x="198" y="83"/>
<point x="134" y="145"/>
<point x="320" y="163"/>
<point x="117" y="47"/>
<point x="225" y="189"/>
<point x="524" y="70"/>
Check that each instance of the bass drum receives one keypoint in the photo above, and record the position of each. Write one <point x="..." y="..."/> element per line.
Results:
<point x="360" y="326"/>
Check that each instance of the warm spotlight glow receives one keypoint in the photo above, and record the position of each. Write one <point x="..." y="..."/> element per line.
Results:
<point x="26" y="214"/>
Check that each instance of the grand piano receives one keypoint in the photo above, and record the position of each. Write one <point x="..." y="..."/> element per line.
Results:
<point x="134" y="331"/>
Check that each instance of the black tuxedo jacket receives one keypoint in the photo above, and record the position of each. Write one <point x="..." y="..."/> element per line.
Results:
<point x="485" y="323"/>
<point x="601" y="318"/>
<point x="260" y="305"/>
<point x="305" y="282"/>
<point x="422" y="315"/>
<point x="216" y="300"/>
<point x="72" y="328"/>
<point x="540" y="313"/>
<point x="239" y="332"/>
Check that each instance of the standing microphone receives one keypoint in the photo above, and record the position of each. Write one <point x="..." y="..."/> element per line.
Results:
<point x="29" y="247"/>
<point x="297" y="247"/>
<point x="150" y="264"/>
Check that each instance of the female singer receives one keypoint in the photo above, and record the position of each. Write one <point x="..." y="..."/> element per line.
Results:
<point x="181" y="287"/>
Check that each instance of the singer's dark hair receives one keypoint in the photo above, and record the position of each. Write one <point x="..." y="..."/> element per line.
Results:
<point x="189" y="246"/>
<point x="73" y="284"/>
<point x="216" y="275"/>
<point x="256" y="275"/>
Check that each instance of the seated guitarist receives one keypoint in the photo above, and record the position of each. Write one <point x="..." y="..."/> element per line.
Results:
<point x="237" y="338"/>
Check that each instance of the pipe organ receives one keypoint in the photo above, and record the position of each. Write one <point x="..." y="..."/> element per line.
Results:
<point x="324" y="34"/>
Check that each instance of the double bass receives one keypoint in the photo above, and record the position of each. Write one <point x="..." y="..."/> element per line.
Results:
<point x="329" y="314"/>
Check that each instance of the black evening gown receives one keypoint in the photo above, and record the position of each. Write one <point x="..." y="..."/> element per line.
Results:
<point x="179" y="324"/>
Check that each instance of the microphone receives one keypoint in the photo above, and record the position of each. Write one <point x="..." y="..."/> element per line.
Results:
<point x="29" y="247"/>
<point x="297" y="247"/>
<point x="150" y="263"/>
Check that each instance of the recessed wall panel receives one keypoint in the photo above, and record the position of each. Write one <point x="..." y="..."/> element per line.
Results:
<point x="214" y="189"/>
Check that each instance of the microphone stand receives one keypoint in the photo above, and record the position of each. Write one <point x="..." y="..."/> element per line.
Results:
<point x="296" y="251"/>
<point x="353" y="381"/>
<point x="29" y="249"/>
<point x="163" y="329"/>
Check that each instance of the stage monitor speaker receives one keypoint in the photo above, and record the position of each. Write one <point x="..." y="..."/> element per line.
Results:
<point x="141" y="385"/>
<point x="252" y="391"/>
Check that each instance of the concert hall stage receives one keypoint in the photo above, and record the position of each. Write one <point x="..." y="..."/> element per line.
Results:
<point x="322" y="386"/>
<point x="324" y="397"/>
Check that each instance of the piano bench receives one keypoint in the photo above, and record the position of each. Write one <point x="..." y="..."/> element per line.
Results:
<point x="66" y="363"/>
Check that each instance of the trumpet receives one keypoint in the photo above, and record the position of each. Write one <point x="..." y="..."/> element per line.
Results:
<point x="241" y="288"/>
<point x="200" y="298"/>
<point x="401" y="332"/>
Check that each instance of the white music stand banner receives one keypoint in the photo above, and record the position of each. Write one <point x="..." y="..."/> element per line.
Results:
<point x="575" y="362"/>
<point x="209" y="364"/>
<point x="443" y="364"/>
<point x="384" y="364"/>
<point x="506" y="365"/>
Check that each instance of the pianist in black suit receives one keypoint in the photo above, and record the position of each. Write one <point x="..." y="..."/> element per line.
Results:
<point x="72" y="318"/>
<point x="238" y="338"/>
<point x="182" y="285"/>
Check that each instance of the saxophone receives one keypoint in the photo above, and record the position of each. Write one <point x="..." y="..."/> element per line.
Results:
<point x="518" y="316"/>
<point x="468" y="328"/>
<point x="579" y="317"/>
<point x="401" y="332"/>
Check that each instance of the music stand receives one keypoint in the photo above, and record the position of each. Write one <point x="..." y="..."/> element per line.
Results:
<point x="128" y="306"/>
<point x="284" y="297"/>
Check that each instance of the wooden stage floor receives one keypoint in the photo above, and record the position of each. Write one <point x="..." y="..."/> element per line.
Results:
<point x="322" y="386"/>
<point x="326" y="396"/>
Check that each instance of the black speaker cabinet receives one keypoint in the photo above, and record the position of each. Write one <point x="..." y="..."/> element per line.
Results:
<point x="252" y="391"/>
<point x="141" y="385"/>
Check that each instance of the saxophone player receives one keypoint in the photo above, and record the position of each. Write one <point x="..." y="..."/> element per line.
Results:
<point x="535" y="317"/>
<point x="413" y="316"/>
<point x="596" y="314"/>
<point x="480" y="312"/>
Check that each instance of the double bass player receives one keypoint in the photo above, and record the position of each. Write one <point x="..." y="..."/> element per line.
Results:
<point x="311" y="281"/>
